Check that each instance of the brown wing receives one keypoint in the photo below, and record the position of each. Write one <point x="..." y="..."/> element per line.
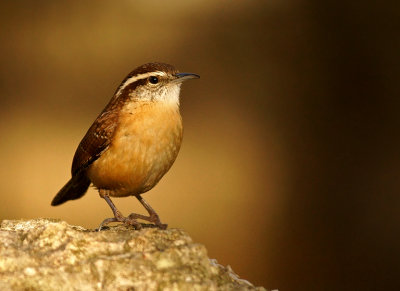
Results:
<point x="96" y="140"/>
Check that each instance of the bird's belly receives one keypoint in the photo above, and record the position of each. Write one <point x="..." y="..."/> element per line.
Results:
<point x="142" y="151"/>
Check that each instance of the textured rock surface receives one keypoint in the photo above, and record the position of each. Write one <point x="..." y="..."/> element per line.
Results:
<point x="46" y="254"/>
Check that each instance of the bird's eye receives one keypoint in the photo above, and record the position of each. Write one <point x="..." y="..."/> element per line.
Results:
<point x="153" y="79"/>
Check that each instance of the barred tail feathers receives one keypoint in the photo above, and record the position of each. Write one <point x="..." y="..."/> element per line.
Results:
<point x="74" y="189"/>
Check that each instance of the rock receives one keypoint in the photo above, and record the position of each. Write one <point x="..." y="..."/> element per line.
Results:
<point x="46" y="254"/>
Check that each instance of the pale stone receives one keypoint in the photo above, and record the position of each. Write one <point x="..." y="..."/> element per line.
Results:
<point x="46" y="254"/>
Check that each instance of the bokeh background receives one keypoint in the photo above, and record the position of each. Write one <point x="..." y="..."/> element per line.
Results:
<point x="290" y="168"/>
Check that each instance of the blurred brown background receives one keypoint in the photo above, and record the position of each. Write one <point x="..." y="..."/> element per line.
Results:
<point x="289" y="171"/>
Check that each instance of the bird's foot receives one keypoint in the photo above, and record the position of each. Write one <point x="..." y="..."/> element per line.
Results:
<point x="132" y="218"/>
<point x="153" y="218"/>
<point x="120" y="218"/>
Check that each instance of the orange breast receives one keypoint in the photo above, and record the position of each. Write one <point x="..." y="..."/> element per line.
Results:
<point x="144" y="147"/>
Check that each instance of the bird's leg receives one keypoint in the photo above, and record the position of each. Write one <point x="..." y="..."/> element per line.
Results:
<point x="118" y="217"/>
<point x="153" y="216"/>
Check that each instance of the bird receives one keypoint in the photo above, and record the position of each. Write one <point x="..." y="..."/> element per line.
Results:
<point x="132" y="143"/>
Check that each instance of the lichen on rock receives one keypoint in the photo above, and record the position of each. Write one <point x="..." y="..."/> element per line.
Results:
<point x="46" y="254"/>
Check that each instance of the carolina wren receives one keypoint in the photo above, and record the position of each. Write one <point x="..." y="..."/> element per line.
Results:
<point x="132" y="143"/>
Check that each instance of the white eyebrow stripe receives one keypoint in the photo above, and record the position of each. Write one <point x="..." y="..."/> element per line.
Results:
<point x="138" y="77"/>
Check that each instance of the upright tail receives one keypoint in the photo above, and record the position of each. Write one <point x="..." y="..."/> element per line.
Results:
<point x="74" y="189"/>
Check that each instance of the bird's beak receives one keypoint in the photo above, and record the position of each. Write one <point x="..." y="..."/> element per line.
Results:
<point x="180" y="77"/>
